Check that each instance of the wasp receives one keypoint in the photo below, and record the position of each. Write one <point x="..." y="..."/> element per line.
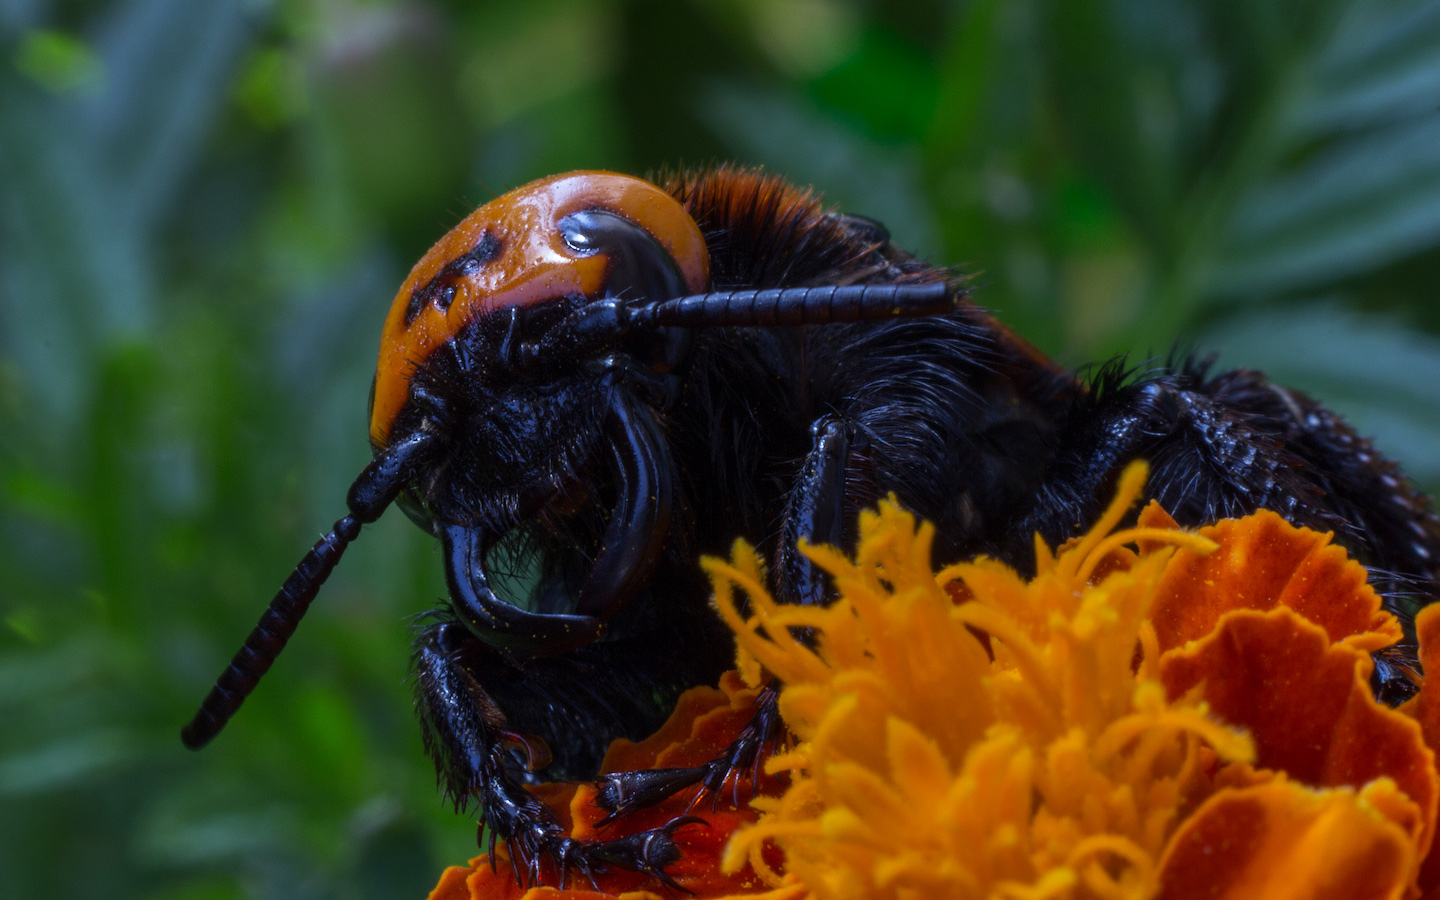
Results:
<point x="594" y="379"/>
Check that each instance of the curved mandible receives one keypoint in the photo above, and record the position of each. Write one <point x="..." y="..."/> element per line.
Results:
<point x="639" y="524"/>
<point x="502" y="625"/>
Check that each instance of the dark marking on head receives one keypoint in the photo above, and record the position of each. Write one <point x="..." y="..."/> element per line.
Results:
<point x="440" y="290"/>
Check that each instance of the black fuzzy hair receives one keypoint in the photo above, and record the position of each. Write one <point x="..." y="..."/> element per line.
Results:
<point x="764" y="232"/>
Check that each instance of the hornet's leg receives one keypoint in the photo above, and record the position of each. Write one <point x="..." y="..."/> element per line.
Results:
<point x="465" y="735"/>
<point x="817" y="512"/>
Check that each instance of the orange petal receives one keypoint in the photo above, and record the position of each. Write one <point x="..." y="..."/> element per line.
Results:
<point x="627" y="756"/>
<point x="704" y="722"/>
<point x="479" y="881"/>
<point x="701" y="847"/>
<point x="1264" y="561"/>
<point x="1154" y="516"/>
<point x="698" y="871"/>
<point x="1279" y="841"/>
<point x="452" y="883"/>
<point x="1425" y="709"/>
<point x="1308" y="705"/>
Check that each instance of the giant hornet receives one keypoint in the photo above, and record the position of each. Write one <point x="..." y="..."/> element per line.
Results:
<point x="593" y="380"/>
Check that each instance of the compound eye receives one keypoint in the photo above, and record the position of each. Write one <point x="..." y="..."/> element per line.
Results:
<point x="640" y="268"/>
<point x="579" y="235"/>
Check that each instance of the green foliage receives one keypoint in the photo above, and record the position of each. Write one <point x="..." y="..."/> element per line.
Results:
<point x="205" y="207"/>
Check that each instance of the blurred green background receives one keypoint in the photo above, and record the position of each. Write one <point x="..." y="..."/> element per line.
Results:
<point x="205" y="208"/>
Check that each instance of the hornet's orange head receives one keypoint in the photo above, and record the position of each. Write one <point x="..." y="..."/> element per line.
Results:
<point x="511" y="252"/>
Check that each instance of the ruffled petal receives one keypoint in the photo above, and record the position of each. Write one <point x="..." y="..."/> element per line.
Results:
<point x="1280" y="841"/>
<point x="1307" y="703"/>
<point x="1425" y="710"/>
<point x="1265" y="561"/>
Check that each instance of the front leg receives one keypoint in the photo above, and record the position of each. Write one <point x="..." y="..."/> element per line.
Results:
<point x="814" y="512"/>
<point x="467" y="738"/>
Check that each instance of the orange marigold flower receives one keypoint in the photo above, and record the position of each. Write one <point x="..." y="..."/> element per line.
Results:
<point x="1187" y="718"/>
<point x="1239" y="753"/>
<point x="1424" y="708"/>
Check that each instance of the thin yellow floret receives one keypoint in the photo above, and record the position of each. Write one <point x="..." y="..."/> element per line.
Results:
<point x="1013" y="744"/>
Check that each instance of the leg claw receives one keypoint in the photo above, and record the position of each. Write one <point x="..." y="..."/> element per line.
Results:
<point x="648" y="852"/>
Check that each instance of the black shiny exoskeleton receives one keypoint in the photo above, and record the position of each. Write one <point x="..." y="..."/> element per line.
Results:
<point x="576" y="454"/>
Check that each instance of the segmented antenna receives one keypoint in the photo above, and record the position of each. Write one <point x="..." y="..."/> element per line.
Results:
<point x="796" y="306"/>
<point x="270" y="635"/>
<point x="599" y="324"/>
<point x="375" y="489"/>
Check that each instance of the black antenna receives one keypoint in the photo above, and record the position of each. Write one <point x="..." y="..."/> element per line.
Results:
<point x="604" y="321"/>
<point x="372" y="492"/>
<point x="269" y="636"/>
<point x="796" y="306"/>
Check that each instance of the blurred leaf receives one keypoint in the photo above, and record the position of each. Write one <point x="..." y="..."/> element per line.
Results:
<point x="1363" y="120"/>
<point x="393" y="858"/>
<point x="1364" y="203"/>
<point x="1381" y="64"/>
<point x="854" y="175"/>
<point x="205" y="209"/>
<point x="167" y="66"/>
<point x="388" y="116"/>
<point x="271" y="87"/>
<point x="58" y="61"/>
<point x="26" y="678"/>
<point x="888" y="85"/>
<point x="82" y="758"/>
<point x="40" y="495"/>
<point x="216" y="837"/>
<point x="963" y="81"/>
<point x="70" y="279"/>
<point x="88" y="176"/>
<point x="531" y="54"/>
<point x="802" y="37"/>
<point x="210" y="889"/>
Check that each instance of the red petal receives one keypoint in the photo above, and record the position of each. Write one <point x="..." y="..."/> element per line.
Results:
<point x="1264" y="561"/>
<point x="1425" y="709"/>
<point x="1308" y="705"/>
<point x="1278" y="841"/>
